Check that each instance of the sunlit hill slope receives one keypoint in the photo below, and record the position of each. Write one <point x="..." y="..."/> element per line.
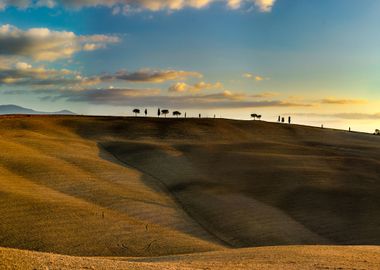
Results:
<point x="102" y="186"/>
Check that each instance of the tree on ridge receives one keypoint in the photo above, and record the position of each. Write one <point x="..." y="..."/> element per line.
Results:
<point x="176" y="113"/>
<point x="136" y="111"/>
<point x="165" y="112"/>
<point x="254" y="116"/>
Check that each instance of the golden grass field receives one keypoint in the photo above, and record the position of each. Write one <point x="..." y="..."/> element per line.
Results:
<point x="111" y="192"/>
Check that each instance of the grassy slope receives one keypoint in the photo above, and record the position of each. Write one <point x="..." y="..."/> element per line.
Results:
<point x="59" y="193"/>
<point x="184" y="185"/>
<point x="255" y="183"/>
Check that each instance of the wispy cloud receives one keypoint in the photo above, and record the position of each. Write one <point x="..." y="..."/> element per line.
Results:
<point x="193" y="101"/>
<point x="265" y="95"/>
<point x="48" y="45"/>
<point x="15" y="3"/>
<point x="346" y="116"/>
<point x="255" y="77"/>
<point x="25" y="74"/>
<point x="358" y="116"/>
<point x="125" y="6"/>
<point x="154" y="97"/>
<point x="343" y="101"/>
<point x="153" y="76"/>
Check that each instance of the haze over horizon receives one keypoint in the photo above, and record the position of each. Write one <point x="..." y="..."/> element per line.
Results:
<point x="314" y="60"/>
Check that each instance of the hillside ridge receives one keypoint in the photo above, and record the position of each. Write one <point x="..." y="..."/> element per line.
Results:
<point x="222" y="184"/>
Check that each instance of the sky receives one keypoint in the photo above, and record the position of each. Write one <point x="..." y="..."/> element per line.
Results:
<point x="316" y="61"/>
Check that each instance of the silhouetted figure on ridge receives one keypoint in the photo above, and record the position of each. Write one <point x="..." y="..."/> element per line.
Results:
<point x="283" y="120"/>
<point x="289" y="120"/>
<point x="200" y="116"/>
<point x="279" y="118"/>
<point x="146" y="112"/>
<point x="158" y="112"/>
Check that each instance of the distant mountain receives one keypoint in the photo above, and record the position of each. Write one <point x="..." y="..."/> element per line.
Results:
<point x="63" y="112"/>
<point x="14" y="109"/>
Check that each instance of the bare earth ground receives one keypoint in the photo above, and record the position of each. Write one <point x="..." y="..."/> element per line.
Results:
<point x="144" y="187"/>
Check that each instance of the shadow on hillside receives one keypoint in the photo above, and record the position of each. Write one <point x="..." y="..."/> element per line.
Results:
<point x="116" y="152"/>
<point x="247" y="186"/>
<point x="225" y="194"/>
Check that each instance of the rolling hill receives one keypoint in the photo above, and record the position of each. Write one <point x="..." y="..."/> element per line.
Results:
<point x="143" y="187"/>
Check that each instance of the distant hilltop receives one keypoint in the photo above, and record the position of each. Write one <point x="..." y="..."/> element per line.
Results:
<point x="14" y="109"/>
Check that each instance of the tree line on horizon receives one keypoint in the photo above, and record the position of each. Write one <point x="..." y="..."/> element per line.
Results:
<point x="165" y="112"/>
<point x="255" y="116"/>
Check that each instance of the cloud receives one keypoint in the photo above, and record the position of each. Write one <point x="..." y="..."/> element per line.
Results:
<point x="47" y="45"/>
<point x="181" y="87"/>
<point x="24" y="74"/>
<point x="345" y="116"/>
<point x="92" y="46"/>
<point x="223" y="96"/>
<point x="207" y="86"/>
<point x="343" y="101"/>
<point x="265" y="5"/>
<point x="358" y="116"/>
<point x="153" y="97"/>
<point x="151" y="76"/>
<point x="257" y="78"/>
<point x="234" y="4"/>
<point x="16" y="3"/>
<point x="138" y="5"/>
<point x="265" y="95"/>
<point x="23" y="66"/>
<point x="6" y="61"/>
<point x="46" y="3"/>
<point x="110" y="96"/>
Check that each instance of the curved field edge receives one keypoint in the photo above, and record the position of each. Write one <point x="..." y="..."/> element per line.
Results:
<point x="286" y="257"/>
